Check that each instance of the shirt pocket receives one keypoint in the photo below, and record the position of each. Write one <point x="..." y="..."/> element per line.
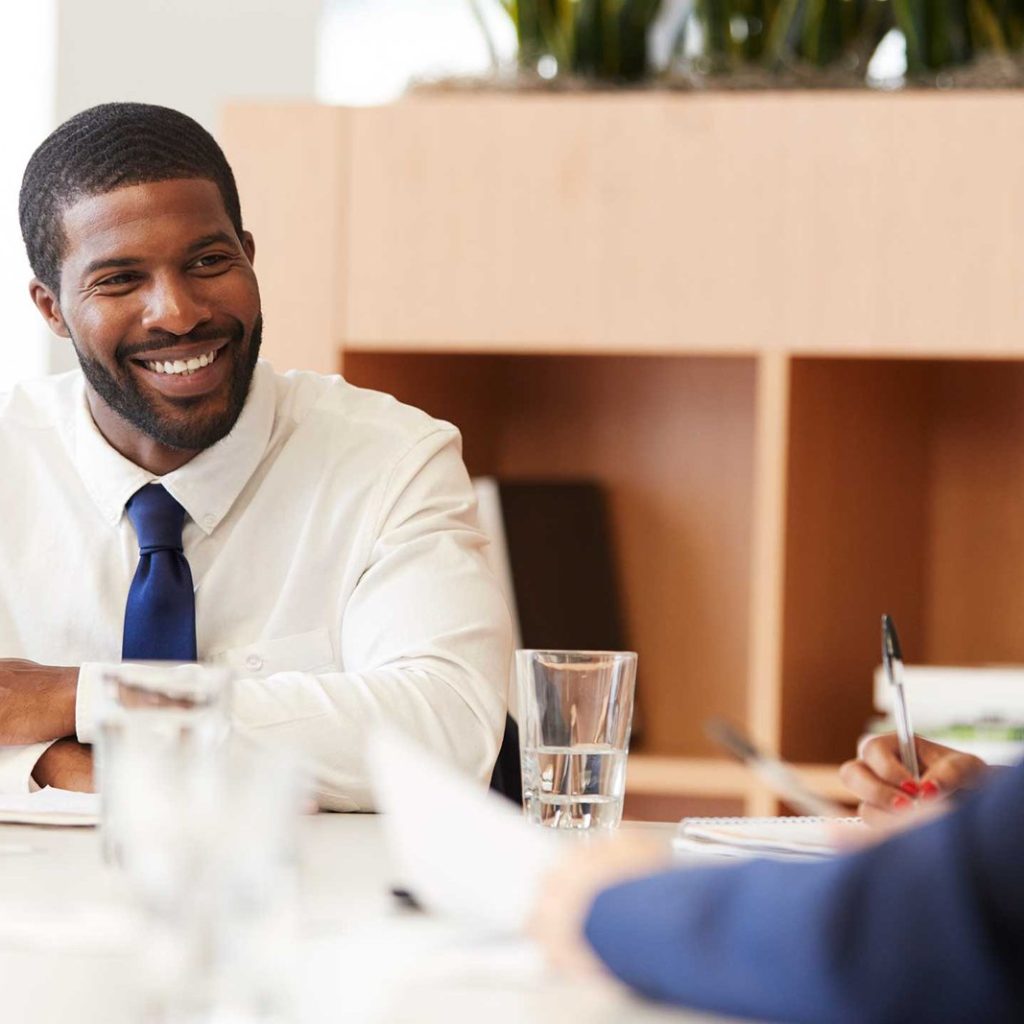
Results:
<point x="301" y="652"/>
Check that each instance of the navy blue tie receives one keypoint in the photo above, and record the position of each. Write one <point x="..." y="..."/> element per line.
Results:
<point x="160" y="618"/>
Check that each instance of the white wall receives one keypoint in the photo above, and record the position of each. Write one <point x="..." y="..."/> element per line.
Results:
<point x="27" y="51"/>
<point x="193" y="55"/>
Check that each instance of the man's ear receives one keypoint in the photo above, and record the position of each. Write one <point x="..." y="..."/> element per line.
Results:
<point x="49" y="307"/>
<point x="249" y="246"/>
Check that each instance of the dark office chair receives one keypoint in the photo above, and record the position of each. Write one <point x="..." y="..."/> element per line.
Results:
<point x="506" y="778"/>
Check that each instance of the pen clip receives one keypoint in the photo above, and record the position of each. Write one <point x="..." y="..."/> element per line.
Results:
<point x="891" y="651"/>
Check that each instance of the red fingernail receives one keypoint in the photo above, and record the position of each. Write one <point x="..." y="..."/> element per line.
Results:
<point x="909" y="787"/>
<point x="900" y="803"/>
<point x="929" y="791"/>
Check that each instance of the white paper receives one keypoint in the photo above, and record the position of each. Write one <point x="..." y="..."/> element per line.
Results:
<point x="778" y="837"/>
<point x="460" y="849"/>
<point x="50" y="806"/>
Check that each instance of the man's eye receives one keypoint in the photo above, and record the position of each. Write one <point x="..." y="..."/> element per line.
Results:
<point x="210" y="260"/>
<point x="116" y="280"/>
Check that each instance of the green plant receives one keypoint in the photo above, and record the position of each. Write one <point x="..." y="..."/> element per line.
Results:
<point x="824" y="33"/>
<point x="772" y="34"/>
<point x="603" y="39"/>
<point x="943" y="34"/>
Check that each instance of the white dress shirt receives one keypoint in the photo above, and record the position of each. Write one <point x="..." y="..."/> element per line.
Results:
<point x="336" y="558"/>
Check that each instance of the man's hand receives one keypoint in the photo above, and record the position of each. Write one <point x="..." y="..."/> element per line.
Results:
<point x="67" y="764"/>
<point x="886" y="791"/>
<point x="567" y="894"/>
<point x="37" y="702"/>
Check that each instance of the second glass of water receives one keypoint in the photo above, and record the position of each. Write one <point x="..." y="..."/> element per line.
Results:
<point x="575" y="712"/>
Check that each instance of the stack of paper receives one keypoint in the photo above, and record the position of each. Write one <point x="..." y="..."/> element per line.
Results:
<point x="806" y="838"/>
<point x="50" y="807"/>
<point x="979" y="710"/>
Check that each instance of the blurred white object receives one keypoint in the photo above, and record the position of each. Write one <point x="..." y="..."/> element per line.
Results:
<point x="203" y="829"/>
<point x="887" y="68"/>
<point x="219" y="893"/>
<point x="370" y="51"/>
<point x="159" y="725"/>
<point x="458" y="848"/>
<point x="940" y="695"/>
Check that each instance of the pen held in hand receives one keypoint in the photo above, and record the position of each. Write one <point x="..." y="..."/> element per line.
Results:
<point x="778" y="776"/>
<point x="892" y="660"/>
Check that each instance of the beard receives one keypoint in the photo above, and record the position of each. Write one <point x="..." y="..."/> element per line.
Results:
<point x="196" y="429"/>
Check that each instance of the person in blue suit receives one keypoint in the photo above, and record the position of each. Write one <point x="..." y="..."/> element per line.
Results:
<point x="925" y="925"/>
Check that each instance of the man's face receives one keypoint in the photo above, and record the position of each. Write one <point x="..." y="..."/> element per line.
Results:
<point x="159" y="298"/>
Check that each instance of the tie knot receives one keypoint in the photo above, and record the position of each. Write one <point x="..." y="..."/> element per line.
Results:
<point x="157" y="519"/>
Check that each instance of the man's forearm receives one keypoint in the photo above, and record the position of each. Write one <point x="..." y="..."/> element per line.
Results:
<point x="37" y="702"/>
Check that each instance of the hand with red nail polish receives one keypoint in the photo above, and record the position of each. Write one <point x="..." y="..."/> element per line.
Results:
<point x="885" y="788"/>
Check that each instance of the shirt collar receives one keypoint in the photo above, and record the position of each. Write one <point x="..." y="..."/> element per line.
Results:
<point x="206" y="486"/>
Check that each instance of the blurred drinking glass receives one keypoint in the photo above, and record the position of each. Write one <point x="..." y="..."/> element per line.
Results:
<point x="159" y="725"/>
<point x="203" y="824"/>
<point x="575" y="712"/>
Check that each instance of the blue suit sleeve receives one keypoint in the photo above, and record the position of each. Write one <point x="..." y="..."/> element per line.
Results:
<point x="928" y="926"/>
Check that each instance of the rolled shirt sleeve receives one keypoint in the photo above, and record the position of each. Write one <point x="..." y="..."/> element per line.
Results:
<point x="17" y="764"/>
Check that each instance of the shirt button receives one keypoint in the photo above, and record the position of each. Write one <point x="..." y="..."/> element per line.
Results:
<point x="209" y="519"/>
<point x="253" y="662"/>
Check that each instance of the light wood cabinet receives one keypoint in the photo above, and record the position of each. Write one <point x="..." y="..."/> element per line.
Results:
<point x="782" y="329"/>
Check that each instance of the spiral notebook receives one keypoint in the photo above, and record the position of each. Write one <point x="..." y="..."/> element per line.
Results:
<point x="793" y="837"/>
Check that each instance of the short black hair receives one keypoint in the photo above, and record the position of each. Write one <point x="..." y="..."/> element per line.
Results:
<point x="105" y="148"/>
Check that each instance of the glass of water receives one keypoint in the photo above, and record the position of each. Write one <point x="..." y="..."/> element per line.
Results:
<point x="575" y="712"/>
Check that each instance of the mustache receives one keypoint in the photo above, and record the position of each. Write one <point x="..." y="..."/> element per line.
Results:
<point x="160" y="341"/>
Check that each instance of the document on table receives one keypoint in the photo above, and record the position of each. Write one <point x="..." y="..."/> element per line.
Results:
<point x="50" y="806"/>
<point x="793" y="837"/>
<point x="458" y="848"/>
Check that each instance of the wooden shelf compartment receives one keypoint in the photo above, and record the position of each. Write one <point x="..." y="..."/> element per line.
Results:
<point x="906" y="485"/>
<point x="671" y="440"/>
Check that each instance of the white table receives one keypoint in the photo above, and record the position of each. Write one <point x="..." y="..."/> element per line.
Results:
<point x="365" y="959"/>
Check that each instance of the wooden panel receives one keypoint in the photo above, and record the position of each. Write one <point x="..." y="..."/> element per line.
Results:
<point x="768" y="551"/>
<point x="708" y="776"/>
<point x="855" y="543"/>
<point x="672" y="440"/>
<point x="975" y="584"/>
<point x="819" y="222"/>
<point x="291" y="164"/>
<point x="672" y="807"/>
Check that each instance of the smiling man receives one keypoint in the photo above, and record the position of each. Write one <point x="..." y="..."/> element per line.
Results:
<point x="177" y="499"/>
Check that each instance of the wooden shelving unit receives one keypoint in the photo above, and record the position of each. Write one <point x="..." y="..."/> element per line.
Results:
<point x="782" y="329"/>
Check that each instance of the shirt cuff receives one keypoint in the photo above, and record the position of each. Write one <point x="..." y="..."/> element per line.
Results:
<point x="17" y="764"/>
<point x="90" y="682"/>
